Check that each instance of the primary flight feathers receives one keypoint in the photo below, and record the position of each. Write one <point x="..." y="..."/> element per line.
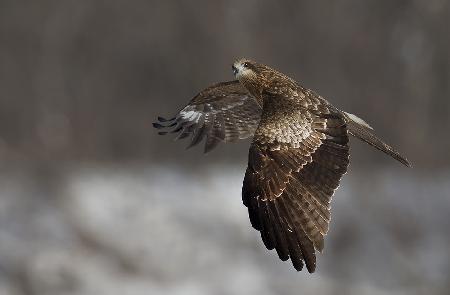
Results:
<point x="297" y="157"/>
<point x="222" y="112"/>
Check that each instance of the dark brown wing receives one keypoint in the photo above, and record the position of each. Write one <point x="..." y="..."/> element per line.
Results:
<point x="223" y="112"/>
<point x="296" y="161"/>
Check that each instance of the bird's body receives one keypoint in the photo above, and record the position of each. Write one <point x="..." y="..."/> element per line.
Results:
<point x="297" y="157"/>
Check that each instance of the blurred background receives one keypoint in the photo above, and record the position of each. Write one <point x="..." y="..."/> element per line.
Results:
<point x="93" y="201"/>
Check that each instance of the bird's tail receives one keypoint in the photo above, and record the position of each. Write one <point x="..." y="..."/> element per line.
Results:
<point x="360" y="129"/>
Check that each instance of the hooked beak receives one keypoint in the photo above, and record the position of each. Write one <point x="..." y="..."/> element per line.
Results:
<point x="235" y="70"/>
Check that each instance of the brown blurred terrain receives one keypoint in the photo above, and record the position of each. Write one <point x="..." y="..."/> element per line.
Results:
<point x="93" y="201"/>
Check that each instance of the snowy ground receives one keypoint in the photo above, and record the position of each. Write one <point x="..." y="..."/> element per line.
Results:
<point x="167" y="230"/>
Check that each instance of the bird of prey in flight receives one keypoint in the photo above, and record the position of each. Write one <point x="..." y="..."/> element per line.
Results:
<point x="298" y="154"/>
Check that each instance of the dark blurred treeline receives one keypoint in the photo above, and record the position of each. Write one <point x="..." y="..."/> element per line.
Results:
<point x="83" y="80"/>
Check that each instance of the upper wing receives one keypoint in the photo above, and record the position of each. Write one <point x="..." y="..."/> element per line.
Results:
<point x="296" y="161"/>
<point x="222" y="112"/>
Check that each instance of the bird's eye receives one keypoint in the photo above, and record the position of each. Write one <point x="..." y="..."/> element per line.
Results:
<point x="246" y="65"/>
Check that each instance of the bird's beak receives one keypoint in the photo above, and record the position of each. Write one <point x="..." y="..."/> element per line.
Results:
<point x="235" y="70"/>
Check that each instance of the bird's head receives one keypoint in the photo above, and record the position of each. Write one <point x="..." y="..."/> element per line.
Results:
<point x="259" y="78"/>
<point x="244" y="69"/>
<point x="250" y="74"/>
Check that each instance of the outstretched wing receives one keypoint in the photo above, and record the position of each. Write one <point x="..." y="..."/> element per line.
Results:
<point x="296" y="161"/>
<point x="222" y="112"/>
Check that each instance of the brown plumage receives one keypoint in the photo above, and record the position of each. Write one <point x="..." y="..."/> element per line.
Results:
<point x="222" y="112"/>
<point x="297" y="157"/>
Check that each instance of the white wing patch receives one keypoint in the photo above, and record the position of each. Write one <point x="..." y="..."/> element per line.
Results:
<point x="190" y="115"/>
<point x="358" y="120"/>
